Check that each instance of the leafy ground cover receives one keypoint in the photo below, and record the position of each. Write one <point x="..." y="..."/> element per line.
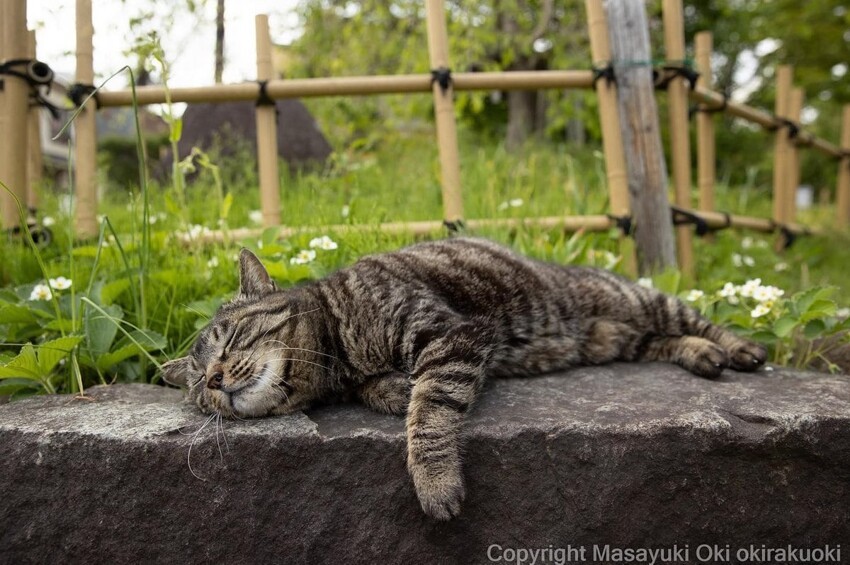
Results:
<point x="73" y="313"/>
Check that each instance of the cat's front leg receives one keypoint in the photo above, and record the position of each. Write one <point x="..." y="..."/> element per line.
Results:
<point x="449" y="372"/>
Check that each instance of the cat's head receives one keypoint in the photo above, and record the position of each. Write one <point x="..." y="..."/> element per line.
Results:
<point x="243" y="363"/>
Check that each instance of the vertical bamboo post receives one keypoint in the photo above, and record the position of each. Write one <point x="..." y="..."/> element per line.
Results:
<point x="842" y="197"/>
<point x="782" y="142"/>
<point x="266" y="115"/>
<point x="14" y="100"/>
<point x="85" y="135"/>
<point x="706" y="154"/>
<point x="444" y="113"/>
<point x="792" y="177"/>
<point x="609" y="118"/>
<point x="647" y="172"/>
<point x="680" y="150"/>
<point x="34" y="163"/>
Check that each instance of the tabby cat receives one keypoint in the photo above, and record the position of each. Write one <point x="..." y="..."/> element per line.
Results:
<point x="417" y="331"/>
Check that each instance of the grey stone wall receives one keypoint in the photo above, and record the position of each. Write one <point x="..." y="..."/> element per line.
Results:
<point x="626" y="456"/>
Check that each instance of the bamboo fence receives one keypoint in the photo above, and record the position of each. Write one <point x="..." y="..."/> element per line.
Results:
<point x="784" y="123"/>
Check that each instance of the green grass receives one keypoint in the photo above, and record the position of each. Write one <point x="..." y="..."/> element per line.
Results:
<point x="158" y="304"/>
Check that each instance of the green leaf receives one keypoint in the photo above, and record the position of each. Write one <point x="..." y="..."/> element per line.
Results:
<point x="806" y="299"/>
<point x="814" y="329"/>
<point x="819" y="309"/>
<point x="112" y="290"/>
<point x="62" y="325"/>
<point x="51" y="352"/>
<point x="11" y="386"/>
<point x="784" y="326"/>
<point x="24" y="365"/>
<point x="176" y="130"/>
<point x="17" y="314"/>
<point x="101" y="329"/>
<point x="144" y="341"/>
<point x="764" y="336"/>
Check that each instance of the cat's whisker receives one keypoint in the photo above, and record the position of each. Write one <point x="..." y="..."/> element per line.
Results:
<point x="191" y="445"/>
<point x="299" y="349"/>
<point x="257" y="349"/>
<point x="217" y="442"/>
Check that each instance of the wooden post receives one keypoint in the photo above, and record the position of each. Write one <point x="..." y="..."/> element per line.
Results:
<point x="444" y="112"/>
<point x="85" y="155"/>
<point x="792" y="176"/>
<point x="267" y="131"/>
<point x="842" y="197"/>
<point x="647" y="173"/>
<point x="14" y="101"/>
<point x="34" y="164"/>
<point x="782" y="143"/>
<point x="609" y="117"/>
<point x="680" y="144"/>
<point x="706" y="155"/>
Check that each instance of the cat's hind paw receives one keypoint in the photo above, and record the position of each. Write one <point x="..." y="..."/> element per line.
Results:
<point x="440" y="495"/>
<point x="748" y="356"/>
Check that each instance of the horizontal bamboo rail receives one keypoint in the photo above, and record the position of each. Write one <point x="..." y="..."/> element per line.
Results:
<point x="764" y="119"/>
<point x="350" y="86"/>
<point x="569" y="224"/>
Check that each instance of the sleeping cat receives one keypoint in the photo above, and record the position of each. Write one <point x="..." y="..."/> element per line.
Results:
<point x="417" y="331"/>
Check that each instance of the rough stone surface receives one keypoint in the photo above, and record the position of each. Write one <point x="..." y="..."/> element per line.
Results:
<point x="625" y="455"/>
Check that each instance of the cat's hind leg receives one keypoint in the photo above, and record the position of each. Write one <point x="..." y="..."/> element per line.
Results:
<point x="388" y="393"/>
<point x="698" y="355"/>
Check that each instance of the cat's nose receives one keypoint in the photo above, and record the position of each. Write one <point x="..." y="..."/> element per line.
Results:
<point x="215" y="379"/>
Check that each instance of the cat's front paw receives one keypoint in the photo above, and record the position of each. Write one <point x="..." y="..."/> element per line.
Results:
<point x="440" y="493"/>
<point x="747" y="356"/>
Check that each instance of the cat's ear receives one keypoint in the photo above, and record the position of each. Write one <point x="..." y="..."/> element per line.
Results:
<point x="254" y="280"/>
<point x="177" y="372"/>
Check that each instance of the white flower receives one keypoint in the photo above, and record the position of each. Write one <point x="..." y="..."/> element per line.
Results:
<point x="304" y="256"/>
<point x="48" y="221"/>
<point x="645" y="282"/>
<point x="255" y="216"/>
<point x="346" y="210"/>
<point x="259" y="244"/>
<point x="323" y="242"/>
<point x="730" y="293"/>
<point x="100" y="218"/>
<point x="152" y="220"/>
<point x="747" y="242"/>
<point x="781" y="266"/>
<point x="213" y="262"/>
<point x="516" y="202"/>
<point x="767" y="293"/>
<point x="760" y="311"/>
<point x="694" y="295"/>
<point x="195" y="232"/>
<point x="60" y="283"/>
<point x="736" y="259"/>
<point x="503" y="206"/>
<point x="843" y="312"/>
<point x="749" y="288"/>
<point x="41" y="292"/>
<point x="748" y="261"/>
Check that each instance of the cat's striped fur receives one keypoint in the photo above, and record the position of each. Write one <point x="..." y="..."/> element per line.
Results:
<point x="418" y="330"/>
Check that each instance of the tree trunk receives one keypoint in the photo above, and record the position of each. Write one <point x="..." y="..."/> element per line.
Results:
<point x="219" y="41"/>
<point x="522" y="106"/>
<point x="647" y="172"/>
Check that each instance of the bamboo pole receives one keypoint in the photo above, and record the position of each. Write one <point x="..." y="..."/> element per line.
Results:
<point x="706" y="154"/>
<point x="764" y="119"/>
<point x="609" y="118"/>
<point x="266" y="115"/>
<point x="569" y="224"/>
<point x="34" y="161"/>
<point x="842" y="197"/>
<point x="792" y="177"/>
<point x="85" y="135"/>
<point x="444" y="112"/>
<point x="782" y="143"/>
<point x="680" y="144"/>
<point x="14" y="101"/>
<point x="352" y="86"/>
